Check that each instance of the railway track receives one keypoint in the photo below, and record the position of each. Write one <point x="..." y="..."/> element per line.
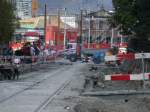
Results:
<point x="46" y="102"/>
<point x="34" y="85"/>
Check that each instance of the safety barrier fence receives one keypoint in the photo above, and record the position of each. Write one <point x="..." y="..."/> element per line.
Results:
<point x="12" y="66"/>
<point x="130" y="56"/>
<point x="24" y="63"/>
<point x="133" y="67"/>
<point x="127" y="77"/>
<point x="26" y="59"/>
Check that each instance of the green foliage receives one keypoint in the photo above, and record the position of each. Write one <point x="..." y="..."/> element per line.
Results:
<point x="142" y="28"/>
<point x="133" y="16"/>
<point x="7" y="21"/>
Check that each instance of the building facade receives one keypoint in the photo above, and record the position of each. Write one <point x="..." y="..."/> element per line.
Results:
<point x="24" y="9"/>
<point x="13" y="3"/>
<point x="96" y="26"/>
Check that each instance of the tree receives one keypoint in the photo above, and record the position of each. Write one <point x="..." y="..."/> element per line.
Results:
<point x="133" y="16"/>
<point x="7" y="21"/>
<point x="142" y="12"/>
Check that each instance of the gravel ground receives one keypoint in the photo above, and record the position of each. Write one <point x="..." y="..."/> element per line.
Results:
<point x="117" y="103"/>
<point x="114" y="104"/>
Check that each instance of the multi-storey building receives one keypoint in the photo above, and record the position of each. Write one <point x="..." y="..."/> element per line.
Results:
<point x="24" y="9"/>
<point x="13" y="3"/>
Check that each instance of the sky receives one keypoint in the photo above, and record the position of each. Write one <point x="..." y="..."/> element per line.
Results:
<point x="73" y="6"/>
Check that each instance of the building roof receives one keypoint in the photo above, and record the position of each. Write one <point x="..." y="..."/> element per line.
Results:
<point x="38" y="22"/>
<point x="29" y="23"/>
<point x="100" y="14"/>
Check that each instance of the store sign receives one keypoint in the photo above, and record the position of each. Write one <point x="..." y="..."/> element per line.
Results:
<point x="27" y="25"/>
<point x="32" y="39"/>
<point x="40" y="31"/>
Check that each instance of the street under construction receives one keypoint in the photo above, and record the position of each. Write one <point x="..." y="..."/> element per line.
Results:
<point x="76" y="56"/>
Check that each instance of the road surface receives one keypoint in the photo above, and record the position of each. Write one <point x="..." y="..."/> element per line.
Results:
<point x="35" y="92"/>
<point x="60" y="88"/>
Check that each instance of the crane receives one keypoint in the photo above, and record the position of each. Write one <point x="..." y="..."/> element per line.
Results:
<point x="34" y="7"/>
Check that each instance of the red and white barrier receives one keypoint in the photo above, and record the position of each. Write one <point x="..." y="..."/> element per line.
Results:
<point x="129" y="56"/>
<point x="17" y="59"/>
<point x="127" y="77"/>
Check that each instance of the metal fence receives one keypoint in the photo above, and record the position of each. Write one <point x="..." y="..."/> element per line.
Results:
<point x="12" y="66"/>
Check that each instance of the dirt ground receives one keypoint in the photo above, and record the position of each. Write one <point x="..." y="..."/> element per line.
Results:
<point x="115" y="103"/>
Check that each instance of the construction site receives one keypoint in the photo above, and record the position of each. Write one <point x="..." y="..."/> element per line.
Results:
<point x="71" y="59"/>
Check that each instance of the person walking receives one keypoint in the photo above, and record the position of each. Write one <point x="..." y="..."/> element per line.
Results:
<point x="32" y="51"/>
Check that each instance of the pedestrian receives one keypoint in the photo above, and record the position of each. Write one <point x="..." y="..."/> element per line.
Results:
<point x="10" y="51"/>
<point x="32" y="51"/>
<point x="46" y="52"/>
<point x="26" y="50"/>
<point x="36" y="48"/>
<point x="5" y="51"/>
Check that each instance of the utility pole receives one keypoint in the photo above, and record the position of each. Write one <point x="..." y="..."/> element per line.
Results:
<point x="112" y="37"/>
<point x="65" y="29"/>
<point x="79" y="40"/>
<point x="121" y="35"/>
<point x="58" y="43"/>
<point x="81" y="21"/>
<point x="89" y="30"/>
<point x="45" y="22"/>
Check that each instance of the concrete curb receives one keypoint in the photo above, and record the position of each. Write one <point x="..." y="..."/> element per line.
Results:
<point x="116" y="92"/>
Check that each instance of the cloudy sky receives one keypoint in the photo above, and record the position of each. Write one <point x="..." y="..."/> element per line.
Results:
<point x="73" y="5"/>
